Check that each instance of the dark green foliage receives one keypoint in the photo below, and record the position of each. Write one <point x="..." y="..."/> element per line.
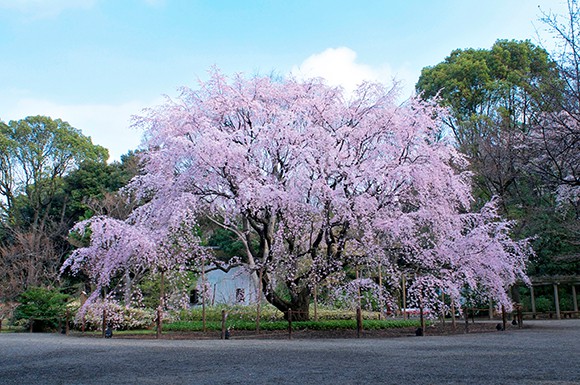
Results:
<point x="226" y="244"/>
<point x="496" y="97"/>
<point x="44" y="307"/>
<point x="92" y="181"/>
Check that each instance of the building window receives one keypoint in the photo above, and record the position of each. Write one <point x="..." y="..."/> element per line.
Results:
<point x="240" y="295"/>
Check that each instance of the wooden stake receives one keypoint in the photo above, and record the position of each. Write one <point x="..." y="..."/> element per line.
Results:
<point x="161" y="305"/>
<point x="259" y="301"/>
<point x="316" y="302"/>
<point x="453" y="315"/>
<point x="443" y="307"/>
<point x="381" y="302"/>
<point x="422" y="318"/>
<point x="557" y="301"/>
<point x="503" y="317"/>
<point x="224" y="317"/>
<point x="289" y="324"/>
<point x="466" y="316"/>
<point x="533" y="302"/>
<point x="67" y="320"/>
<point x="359" y="324"/>
<point x="574" y="299"/>
<point x="104" y="321"/>
<point x="404" y="298"/>
<point x="203" y="296"/>
<point x="359" y="291"/>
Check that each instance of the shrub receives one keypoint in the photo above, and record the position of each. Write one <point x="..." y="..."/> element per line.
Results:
<point x="544" y="304"/>
<point x="45" y="308"/>
<point x="118" y="317"/>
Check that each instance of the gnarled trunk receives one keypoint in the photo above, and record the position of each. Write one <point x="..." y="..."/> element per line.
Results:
<point x="299" y="304"/>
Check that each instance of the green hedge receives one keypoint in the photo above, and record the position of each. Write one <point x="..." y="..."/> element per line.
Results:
<point x="297" y="325"/>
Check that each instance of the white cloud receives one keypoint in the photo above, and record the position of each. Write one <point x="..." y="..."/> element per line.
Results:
<point x="339" y="67"/>
<point x="107" y="125"/>
<point x="45" y="8"/>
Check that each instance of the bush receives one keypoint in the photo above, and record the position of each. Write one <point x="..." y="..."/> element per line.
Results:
<point x="544" y="304"/>
<point x="45" y="308"/>
<point x="118" y="317"/>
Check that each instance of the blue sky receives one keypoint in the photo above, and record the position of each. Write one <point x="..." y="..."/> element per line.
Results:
<point x="94" y="63"/>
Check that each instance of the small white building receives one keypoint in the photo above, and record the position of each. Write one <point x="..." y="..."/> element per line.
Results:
<point x="234" y="287"/>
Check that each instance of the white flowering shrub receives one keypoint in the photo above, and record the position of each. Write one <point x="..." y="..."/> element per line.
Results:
<point x="117" y="316"/>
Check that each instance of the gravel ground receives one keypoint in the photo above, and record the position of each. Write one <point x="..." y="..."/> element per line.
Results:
<point x="545" y="352"/>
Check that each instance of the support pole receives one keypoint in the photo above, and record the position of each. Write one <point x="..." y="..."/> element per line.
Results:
<point x="316" y="302"/>
<point x="453" y="315"/>
<point x="404" y="298"/>
<point x="259" y="301"/>
<point x="466" y="316"/>
<point x="289" y="324"/>
<point x="358" y="322"/>
<point x="575" y="300"/>
<point x="443" y="308"/>
<point x="533" y="302"/>
<point x="503" y="317"/>
<point x="161" y="305"/>
<point x="557" y="301"/>
<point x="224" y="318"/>
<point x="422" y="317"/>
<point x="490" y="309"/>
<point x="203" y="295"/>
<point x="381" y="302"/>
<point x="104" y="321"/>
<point x="66" y="325"/>
<point x="358" y="290"/>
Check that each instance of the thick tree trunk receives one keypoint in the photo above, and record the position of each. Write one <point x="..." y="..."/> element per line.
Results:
<point x="299" y="304"/>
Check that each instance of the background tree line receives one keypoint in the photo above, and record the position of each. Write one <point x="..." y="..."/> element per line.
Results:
<point x="514" y="110"/>
<point x="51" y="177"/>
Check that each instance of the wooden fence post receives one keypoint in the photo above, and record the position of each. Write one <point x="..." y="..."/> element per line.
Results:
<point x="316" y="302"/>
<point x="466" y="316"/>
<point x="67" y="320"/>
<point x="159" y="323"/>
<point x="503" y="317"/>
<point x="289" y="324"/>
<point x="557" y="301"/>
<point x="574" y="299"/>
<point x="453" y="315"/>
<point x="404" y="292"/>
<point x="443" y="308"/>
<point x="259" y="301"/>
<point x="533" y="300"/>
<point x="359" y="324"/>
<point x="104" y="320"/>
<point x="224" y="317"/>
<point x="421" y="316"/>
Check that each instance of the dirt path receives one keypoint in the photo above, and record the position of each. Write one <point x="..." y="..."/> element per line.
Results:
<point x="546" y="352"/>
